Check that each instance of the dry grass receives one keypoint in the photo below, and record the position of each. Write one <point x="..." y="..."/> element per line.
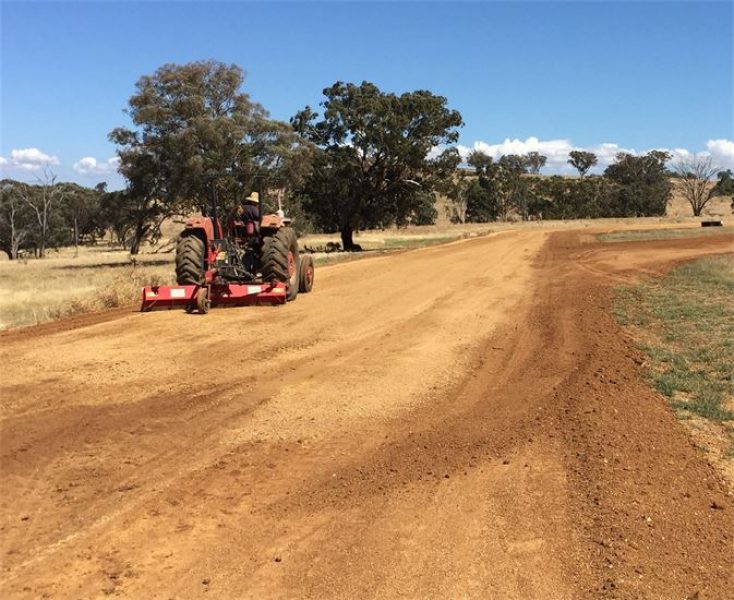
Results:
<point x="660" y="234"/>
<point x="62" y="285"/>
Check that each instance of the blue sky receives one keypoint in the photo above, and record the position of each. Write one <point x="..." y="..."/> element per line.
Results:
<point x="550" y="76"/>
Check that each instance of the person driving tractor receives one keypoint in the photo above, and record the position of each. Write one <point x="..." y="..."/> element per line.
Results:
<point x="251" y="208"/>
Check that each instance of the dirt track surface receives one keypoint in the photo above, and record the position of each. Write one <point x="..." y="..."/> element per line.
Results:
<point x="458" y="421"/>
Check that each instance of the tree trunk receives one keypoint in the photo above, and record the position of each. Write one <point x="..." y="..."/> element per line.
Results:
<point x="141" y="229"/>
<point x="76" y="236"/>
<point x="44" y="232"/>
<point x="347" y="239"/>
<point x="15" y="241"/>
<point x="135" y="244"/>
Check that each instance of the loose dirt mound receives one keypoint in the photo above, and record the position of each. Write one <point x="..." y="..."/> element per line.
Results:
<point x="464" y="420"/>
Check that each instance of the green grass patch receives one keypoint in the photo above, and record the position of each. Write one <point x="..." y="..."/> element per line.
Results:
<point x="685" y="325"/>
<point x="662" y="234"/>
<point x="388" y="244"/>
<point x="419" y="242"/>
<point x="339" y="257"/>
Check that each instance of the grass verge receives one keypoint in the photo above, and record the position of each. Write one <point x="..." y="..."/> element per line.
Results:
<point x="662" y="234"/>
<point x="61" y="286"/>
<point x="685" y="325"/>
<point x="420" y="242"/>
<point x="383" y="245"/>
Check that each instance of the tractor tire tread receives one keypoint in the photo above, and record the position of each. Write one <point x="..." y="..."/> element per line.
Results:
<point x="275" y="256"/>
<point x="190" y="260"/>
<point x="274" y="260"/>
<point x="305" y="283"/>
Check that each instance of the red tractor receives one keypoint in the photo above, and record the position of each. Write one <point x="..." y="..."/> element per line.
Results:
<point x="237" y="262"/>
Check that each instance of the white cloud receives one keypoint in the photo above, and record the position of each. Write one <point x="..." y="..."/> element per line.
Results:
<point x="91" y="166"/>
<point x="32" y="156"/>
<point x="436" y="151"/>
<point x="556" y="151"/>
<point x="606" y="153"/>
<point x="722" y="153"/>
<point x="680" y="154"/>
<point x="28" y="159"/>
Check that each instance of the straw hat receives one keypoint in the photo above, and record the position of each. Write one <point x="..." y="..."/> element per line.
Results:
<point x="253" y="197"/>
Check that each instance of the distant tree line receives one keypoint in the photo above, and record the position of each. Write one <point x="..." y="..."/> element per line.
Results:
<point x="632" y="186"/>
<point x="37" y="217"/>
<point x="365" y="159"/>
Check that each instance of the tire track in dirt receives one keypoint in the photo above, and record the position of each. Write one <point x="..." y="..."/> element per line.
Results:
<point x="643" y="493"/>
<point x="456" y="421"/>
<point x="112" y="406"/>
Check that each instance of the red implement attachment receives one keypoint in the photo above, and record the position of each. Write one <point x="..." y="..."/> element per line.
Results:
<point x="192" y="297"/>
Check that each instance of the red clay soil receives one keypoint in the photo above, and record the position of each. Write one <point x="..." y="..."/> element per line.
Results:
<point x="458" y="421"/>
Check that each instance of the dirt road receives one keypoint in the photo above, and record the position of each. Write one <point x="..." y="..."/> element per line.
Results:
<point x="457" y="421"/>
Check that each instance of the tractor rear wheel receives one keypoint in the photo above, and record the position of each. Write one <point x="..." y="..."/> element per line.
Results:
<point x="190" y="252"/>
<point x="280" y="260"/>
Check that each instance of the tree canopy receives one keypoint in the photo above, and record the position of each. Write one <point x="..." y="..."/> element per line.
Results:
<point x="499" y="187"/>
<point x="582" y="161"/>
<point x="725" y="185"/>
<point x="642" y="184"/>
<point x="47" y="214"/>
<point x="502" y="189"/>
<point x="373" y="166"/>
<point x="694" y="176"/>
<point x="193" y="127"/>
<point x="535" y="162"/>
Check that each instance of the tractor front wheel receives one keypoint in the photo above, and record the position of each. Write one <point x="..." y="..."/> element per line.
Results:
<point x="280" y="260"/>
<point x="202" y="300"/>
